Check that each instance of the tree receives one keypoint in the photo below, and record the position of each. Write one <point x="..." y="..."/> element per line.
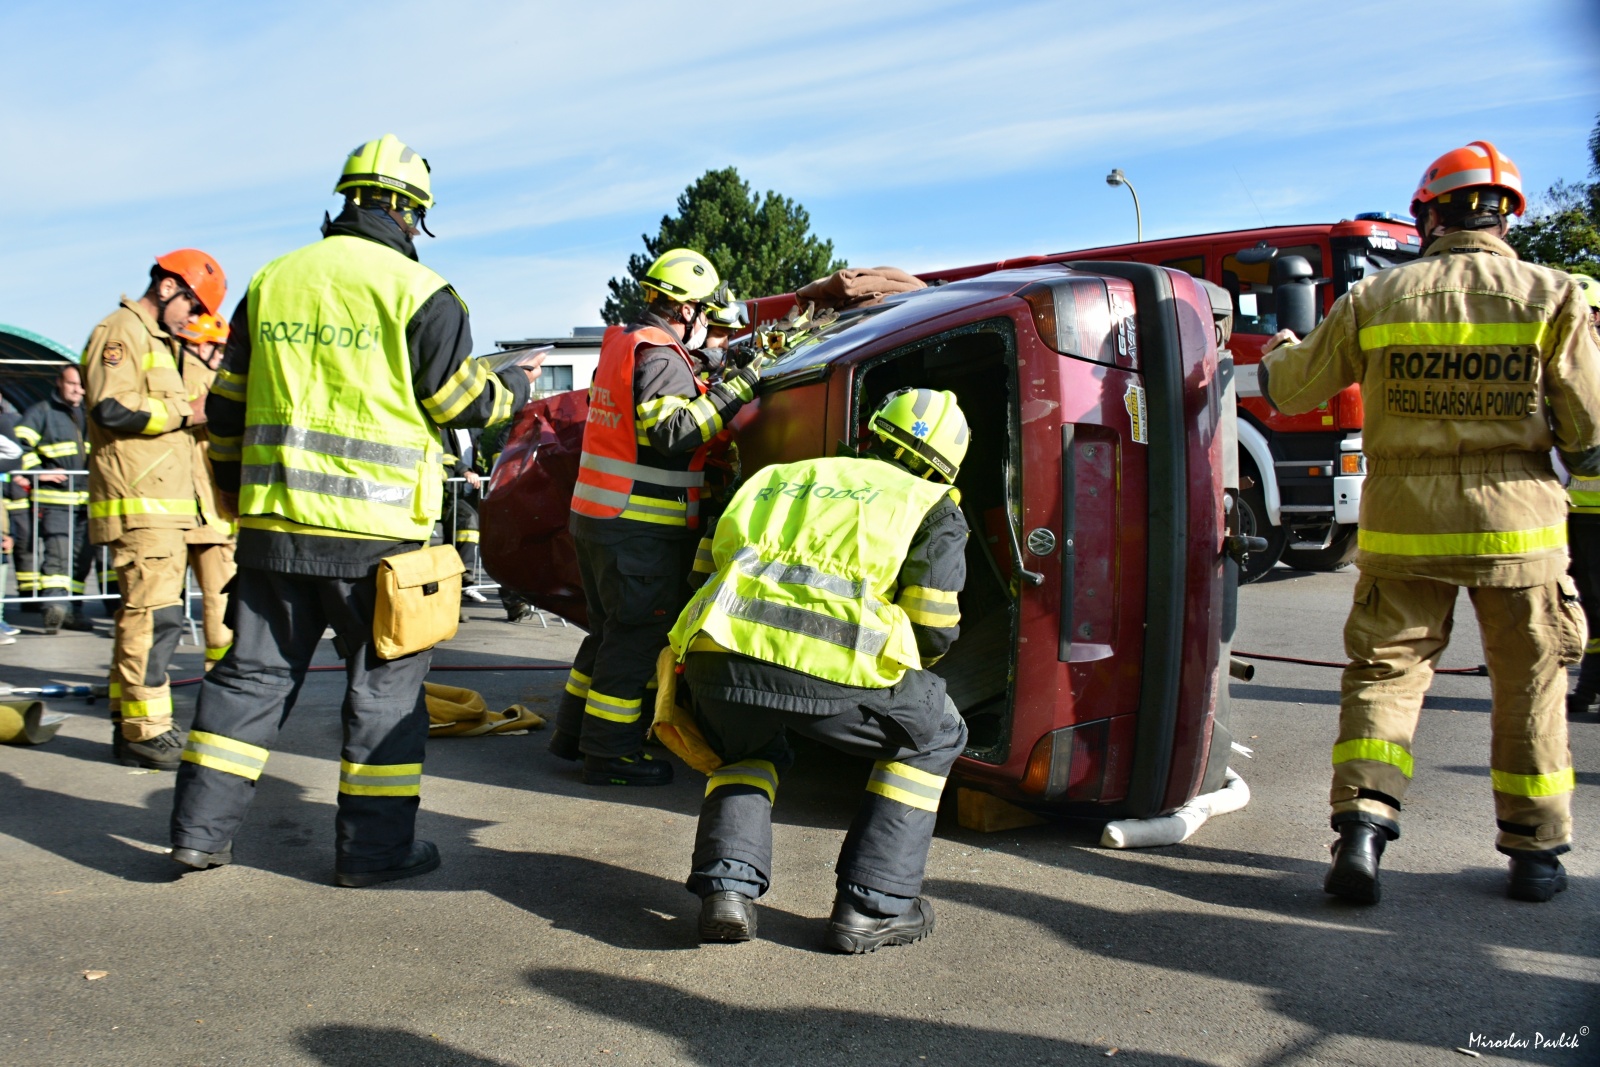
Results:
<point x="759" y="245"/>
<point x="1563" y="229"/>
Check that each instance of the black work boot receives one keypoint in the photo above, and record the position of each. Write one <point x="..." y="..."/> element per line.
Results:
<point x="1581" y="700"/>
<point x="422" y="858"/>
<point x="855" y="932"/>
<point x="564" y="745"/>
<point x="163" y="752"/>
<point x="637" y="769"/>
<point x="54" y="616"/>
<point x="727" y="916"/>
<point x="1536" y="878"/>
<point x="79" y="622"/>
<point x="1354" y="873"/>
<point x="203" y="861"/>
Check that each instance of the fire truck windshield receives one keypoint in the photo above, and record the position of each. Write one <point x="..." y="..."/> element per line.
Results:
<point x="1355" y="258"/>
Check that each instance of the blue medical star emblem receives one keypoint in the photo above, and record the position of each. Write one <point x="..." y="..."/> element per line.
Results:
<point x="920" y="428"/>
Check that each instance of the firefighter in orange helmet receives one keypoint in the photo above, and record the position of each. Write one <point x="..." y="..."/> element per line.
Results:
<point x="1472" y="367"/>
<point x="210" y="544"/>
<point x="141" y="488"/>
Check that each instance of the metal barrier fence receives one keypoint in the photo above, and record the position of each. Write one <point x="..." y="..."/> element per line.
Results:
<point x="76" y="481"/>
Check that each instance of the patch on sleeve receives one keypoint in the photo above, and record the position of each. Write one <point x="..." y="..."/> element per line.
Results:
<point x="112" y="354"/>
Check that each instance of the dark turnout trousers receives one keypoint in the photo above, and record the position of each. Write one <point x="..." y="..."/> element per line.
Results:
<point x="277" y="621"/>
<point x="881" y="866"/>
<point x="634" y="590"/>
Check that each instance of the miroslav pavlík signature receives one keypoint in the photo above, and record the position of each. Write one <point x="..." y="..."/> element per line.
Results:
<point x="1537" y="1040"/>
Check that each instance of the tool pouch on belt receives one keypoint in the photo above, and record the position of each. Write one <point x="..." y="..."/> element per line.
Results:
<point x="419" y="601"/>
<point x="674" y="726"/>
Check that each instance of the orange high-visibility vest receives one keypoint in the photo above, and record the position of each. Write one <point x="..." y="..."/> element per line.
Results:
<point x="616" y="478"/>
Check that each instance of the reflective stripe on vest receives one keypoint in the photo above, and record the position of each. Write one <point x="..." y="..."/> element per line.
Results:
<point x="1481" y="543"/>
<point x="807" y="556"/>
<point x="334" y="434"/>
<point x="1585" y="495"/>
<point x="614" y="475"/>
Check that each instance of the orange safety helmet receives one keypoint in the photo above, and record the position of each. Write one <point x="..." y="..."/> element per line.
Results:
<point x="1478" y="166"/>
<point x="208" y="329"/>
<point x="200" y="273"/>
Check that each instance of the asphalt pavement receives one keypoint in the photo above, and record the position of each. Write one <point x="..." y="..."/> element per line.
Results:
<point x="558" y="930"/>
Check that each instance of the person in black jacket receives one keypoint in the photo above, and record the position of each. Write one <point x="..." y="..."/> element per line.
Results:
<point x="53" y="432"/>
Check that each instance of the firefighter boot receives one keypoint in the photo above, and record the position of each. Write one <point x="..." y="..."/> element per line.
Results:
<point x="727" y="916"/>
<point x="854" y="932"/>
<point x="1534" y="878"/>
<point x="637" y="769"/>
<point x="54" y="616"/>
<point x="422" y="858"/>
<point x="1354" y="873"/>
<point x="163" y="752"/>
<point x="203" y="861"/>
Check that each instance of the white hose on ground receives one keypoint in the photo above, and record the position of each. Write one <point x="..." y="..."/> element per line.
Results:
<point x="1170" y="829"/>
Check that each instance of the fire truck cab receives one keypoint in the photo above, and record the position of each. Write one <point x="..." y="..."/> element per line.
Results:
<point x="1100" y="596"/>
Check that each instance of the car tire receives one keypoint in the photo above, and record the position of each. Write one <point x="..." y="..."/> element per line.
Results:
<point x="1340" y="551"/>
<point x="1253" y="522"/>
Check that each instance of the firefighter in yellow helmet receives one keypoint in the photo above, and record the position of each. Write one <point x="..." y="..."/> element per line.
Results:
<point x="344" y="360"/>
<point x="653" y="424"/>
<point x="834" y="590"/>
<point x="1472" y="365"/>
<point x="1583" y="537"/>
<point x="210" y="544"/>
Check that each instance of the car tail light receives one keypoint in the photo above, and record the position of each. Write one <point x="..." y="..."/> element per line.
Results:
<point x="1085" y="763"/>
<point x="1042" y="301"/>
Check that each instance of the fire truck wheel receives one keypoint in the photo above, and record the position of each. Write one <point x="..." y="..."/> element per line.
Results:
<point x="1253" y="523"/>
<point x="1340" y="551"/>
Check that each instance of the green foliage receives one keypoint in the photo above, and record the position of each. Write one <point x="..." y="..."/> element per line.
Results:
<point x="1563" y="227"/>
<point x="759" y="245"/>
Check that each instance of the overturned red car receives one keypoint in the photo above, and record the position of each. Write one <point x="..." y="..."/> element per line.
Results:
<point x="1091" y="667"/>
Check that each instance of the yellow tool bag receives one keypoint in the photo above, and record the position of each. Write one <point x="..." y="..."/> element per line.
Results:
<point x="419" y="601"/>
<point x="674" y="726"/>
<point x="455" y="711"/>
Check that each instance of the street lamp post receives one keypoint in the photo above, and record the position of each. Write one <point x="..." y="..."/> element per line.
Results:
<point x="1116" y="177"/>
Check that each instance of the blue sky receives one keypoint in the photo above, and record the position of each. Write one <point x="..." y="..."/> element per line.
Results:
<point x="917" y="134"/>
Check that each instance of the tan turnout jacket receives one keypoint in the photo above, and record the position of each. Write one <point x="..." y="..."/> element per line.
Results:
<point x="1471" y="365"/>
<point x="141" y="473"/>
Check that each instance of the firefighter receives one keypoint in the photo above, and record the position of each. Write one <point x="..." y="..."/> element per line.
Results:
<point x="53" y="432"/>
<point x="635" y="513"/>
<point x="834" y="590"/>
<point x="344" y="359"/>
<point x="210" y="544"/>
<point x="725" y="316"/>
<point x="141" y="489"/>
<point x="1472" y="365"/>
<point x="460" y="515"/>
<point x="1583" y="536"/>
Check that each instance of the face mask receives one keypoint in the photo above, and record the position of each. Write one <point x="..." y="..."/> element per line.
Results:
<point x="696" y="339"/>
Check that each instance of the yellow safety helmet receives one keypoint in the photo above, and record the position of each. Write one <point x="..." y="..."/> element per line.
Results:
<point x="1590" y="288"/>
<point x="682" y="274"/>
<point x="388" y="163"/>
<point x="723" y="310"/>
<point x="927" y="423"/>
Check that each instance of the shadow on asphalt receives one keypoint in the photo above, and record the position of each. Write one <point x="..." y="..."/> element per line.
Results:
<point x="714" y="1034"/>
<point x="362" y="1046"/>
<point x="86" y="831"/>
<point x="1391" y="983"/>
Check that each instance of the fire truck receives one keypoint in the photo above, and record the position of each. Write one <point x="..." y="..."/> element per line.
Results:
<point x="1301" y="474"/>
<point x="1102" y="568"/>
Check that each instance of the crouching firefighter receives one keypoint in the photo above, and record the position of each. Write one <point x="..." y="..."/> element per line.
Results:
<point x="833" y="591"/>
<point x="636" y="513"/>
<point x="343" y="361"/>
